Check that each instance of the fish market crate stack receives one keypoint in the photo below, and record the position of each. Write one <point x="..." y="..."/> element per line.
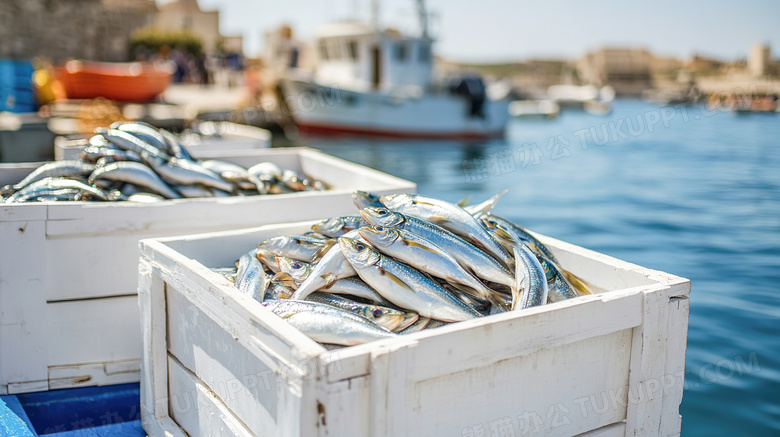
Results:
<point x="217" y="362"/>
<point x="68" y="270"/>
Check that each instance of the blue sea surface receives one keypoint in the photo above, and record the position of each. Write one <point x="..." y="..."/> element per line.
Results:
<point x="686" y="190"/>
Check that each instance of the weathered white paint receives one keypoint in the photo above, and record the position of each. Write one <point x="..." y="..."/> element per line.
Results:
<point x="68" y="270"/>
<point x="592" y="366"/>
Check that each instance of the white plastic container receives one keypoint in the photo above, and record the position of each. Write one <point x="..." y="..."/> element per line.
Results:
<point x="68" y="270"/>
<point x="216" y="362"/>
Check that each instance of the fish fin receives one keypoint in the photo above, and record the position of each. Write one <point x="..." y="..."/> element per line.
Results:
<point x="493" y="200"/>
<point x="395" y="279"/>
<point x="285" y="279"/>
<point x="282" y="276"/>
<point x="464" y="201"/>
<point x="466" y="290"/>
<point x="581" y="286"/>
<point x="437" y="219"/>
<point x="329" y="278"/>
<point x="421" y="246"/>
<point x="323" y="250"/>
<point x="506" y="236"/>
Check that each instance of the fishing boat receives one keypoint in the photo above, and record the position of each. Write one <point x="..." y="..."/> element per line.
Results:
<point x="375" y="81"/>
<point x="123" y="82"/>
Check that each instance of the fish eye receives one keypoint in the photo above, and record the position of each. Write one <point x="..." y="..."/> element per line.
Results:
<point x="360" y="246"/>
<point x="377" y="312"/>
<point x="380" y="228"/>
<point x="296" y="265"/>
<point x="382" y="212"/>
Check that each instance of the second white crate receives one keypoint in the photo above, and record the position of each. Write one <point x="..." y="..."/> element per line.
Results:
<point x="68" y="277"/>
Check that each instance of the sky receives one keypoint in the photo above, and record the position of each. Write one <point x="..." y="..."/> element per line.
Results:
<point x="507" y="30"/>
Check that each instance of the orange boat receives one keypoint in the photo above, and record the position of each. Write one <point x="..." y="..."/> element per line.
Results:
<point x="124" y="82"/>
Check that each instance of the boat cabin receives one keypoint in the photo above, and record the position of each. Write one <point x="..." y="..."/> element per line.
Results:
<point x="357" y="56"/>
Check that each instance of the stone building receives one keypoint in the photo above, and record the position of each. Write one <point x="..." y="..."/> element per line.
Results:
<point x="61" y="29"/>
<point x="187" y="15"/>
<point x="626" y="70"/>
<point x="759" y="59"/>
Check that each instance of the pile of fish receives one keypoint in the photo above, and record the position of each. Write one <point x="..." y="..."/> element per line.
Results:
<point x="406" y="263"/>
<point x="136" y="162"/>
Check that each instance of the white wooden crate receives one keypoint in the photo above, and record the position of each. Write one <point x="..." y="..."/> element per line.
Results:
<point x="68" y="271"/>
<point x="216" y="362"/>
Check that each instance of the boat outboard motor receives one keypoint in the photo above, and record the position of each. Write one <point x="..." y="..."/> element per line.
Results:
<point x="473" y="89"/>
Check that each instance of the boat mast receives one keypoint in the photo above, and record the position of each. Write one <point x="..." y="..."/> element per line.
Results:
<point x="423" y="16"/>
<point x="375" y="14"/>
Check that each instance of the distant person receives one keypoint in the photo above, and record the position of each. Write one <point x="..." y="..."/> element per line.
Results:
<point x="203" y="69"/>
<point x="180" y="60"/>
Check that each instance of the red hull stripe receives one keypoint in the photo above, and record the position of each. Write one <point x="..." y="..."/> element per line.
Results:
<point x="324" y="129"/>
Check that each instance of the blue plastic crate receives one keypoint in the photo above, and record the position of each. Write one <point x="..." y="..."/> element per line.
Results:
<point x="24" y="96"/>
<point x="93" y="411"/>
<point x="6" y="73"/>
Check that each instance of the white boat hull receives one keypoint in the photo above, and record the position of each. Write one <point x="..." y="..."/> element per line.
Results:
<point x="330" y="110"/>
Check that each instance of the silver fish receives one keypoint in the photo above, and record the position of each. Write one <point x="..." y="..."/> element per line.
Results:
<point x="298" y="270"/>
<point x="298" y="248"/>
<point x="294" y="181"/>
<point x="175" y="146"/>
<point x="145" y="132"/>
<point x="402" y="285"/>
<point x="228" y="272"/>
<point x="388" y="318"/>
<point x="423" y="255"/>
<point x="354" y="286"/>
<point x="328" y="324"/>
<point x="532" y="284"/>
<point x="185" y="172"/>
<point x="136" y="174"/>
<point x="56" y="169"/>
<point x="338" y="226"/>
<point x="330" y="268"/>
<point x="93" y="154"/>
<point x="266" y="172"/>
<point x="127" y="141"/>
<point x="515" y="233"/>
<point x="193" y="191"/>
<point x="451" y="217"/>
<point x="312" y="234"/>
<point x="469" y="256"/>
<point x="558" y="288"/>
<point x="281" y="286"/>
<point x="236" y="174"/>
<point x="364" y="199"/>
<point x="100" y="141"/>
<point x="56" y="187"/>
<point x="251" y="278"/>
<point x="48" y="195"/>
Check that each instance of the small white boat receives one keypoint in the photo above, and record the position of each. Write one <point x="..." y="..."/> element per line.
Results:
<point x="373" y="81"/>
<point x="534" y="109"/>
<point x="587" y="97"/>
